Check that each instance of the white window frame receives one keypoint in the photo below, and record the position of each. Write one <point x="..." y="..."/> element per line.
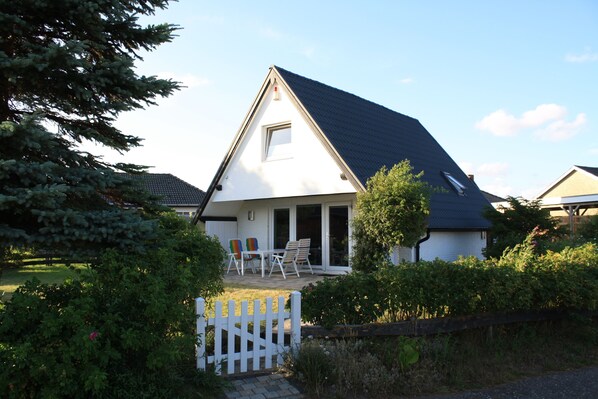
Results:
<point x="280" y="151"/>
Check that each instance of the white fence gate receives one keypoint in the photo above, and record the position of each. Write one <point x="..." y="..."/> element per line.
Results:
<point x="266" y="343"/>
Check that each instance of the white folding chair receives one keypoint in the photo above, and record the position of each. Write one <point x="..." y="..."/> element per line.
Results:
<point x="286" y="259"/>
<point x="302" y="257"/>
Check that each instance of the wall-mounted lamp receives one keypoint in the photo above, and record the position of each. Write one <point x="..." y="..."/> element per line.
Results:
<point x="250" y="215"/>
<point x="218" y="187"/>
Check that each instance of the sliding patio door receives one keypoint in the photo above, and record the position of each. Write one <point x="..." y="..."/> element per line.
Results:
<point x="337" y="236"/>
<point x="309" y="225"/>
<point x="326" y="224"/>
<point x="282" y="227"/>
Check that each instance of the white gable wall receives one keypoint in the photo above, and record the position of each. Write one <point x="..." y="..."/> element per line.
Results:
<point x="450" y="245"/>
<point x="311" y="170"/>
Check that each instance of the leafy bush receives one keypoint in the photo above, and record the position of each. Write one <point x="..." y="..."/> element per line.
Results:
<point x="349" y="299"/>
<point x="588" y="230"/>
<point x="124" y="328"/>
<point x="522" y="280"/>
<point x="312" y="365"/>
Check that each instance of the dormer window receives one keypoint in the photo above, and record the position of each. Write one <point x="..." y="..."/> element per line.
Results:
<point x="278" y="144"/>
<point x="456" y="184"/>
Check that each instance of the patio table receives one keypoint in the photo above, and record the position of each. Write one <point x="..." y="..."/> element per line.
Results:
<point x="262" y="253"/>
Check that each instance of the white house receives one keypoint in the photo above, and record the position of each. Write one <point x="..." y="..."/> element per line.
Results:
<point x="303" y="152"/>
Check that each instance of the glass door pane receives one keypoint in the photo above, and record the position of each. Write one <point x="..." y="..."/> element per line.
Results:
<point x="309" y="225"/>
<point x="338" y="242"/>
<point x="282" y="220"/>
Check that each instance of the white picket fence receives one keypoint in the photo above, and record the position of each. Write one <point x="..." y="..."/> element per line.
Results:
<point x="266" y="342"/>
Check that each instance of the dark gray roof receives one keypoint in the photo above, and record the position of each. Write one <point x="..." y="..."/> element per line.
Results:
<point x="368" y="136"/>
<point x="172" y="190"/>
<point x="589" y="169"/>
<point x="493" y="198"/>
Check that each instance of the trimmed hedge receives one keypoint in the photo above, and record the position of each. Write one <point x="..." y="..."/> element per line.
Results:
<point x="519" y="281"/>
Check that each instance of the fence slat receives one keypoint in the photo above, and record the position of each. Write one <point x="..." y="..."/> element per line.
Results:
<point x="269" y="319"/>
<point x="295" y="321"/>
<point x="280" y="331"/>
<point x="218" y="337"/>
<point x="230" y="367"/>
<point x="244" y="323"/>
<point x="256" y="335"/>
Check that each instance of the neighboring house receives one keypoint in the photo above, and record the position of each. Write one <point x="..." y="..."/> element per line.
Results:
<point x="495" y="200"/>
<point x="573" y="196"/>
<point x="303" y="152"/>
<point x="174" y="192"/>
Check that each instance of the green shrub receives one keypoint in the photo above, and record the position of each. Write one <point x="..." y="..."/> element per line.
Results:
<point x="524" y="279"/>
<point x="124" y="329"/>
<point x="349" y="299"/>
<point x="313" y="366"/>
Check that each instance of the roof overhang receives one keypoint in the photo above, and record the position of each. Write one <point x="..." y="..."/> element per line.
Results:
<point x="585" y="201"/>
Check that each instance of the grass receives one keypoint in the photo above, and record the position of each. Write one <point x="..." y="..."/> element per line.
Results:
<point x="12" y="278"/>
<point x="239" y="293"/>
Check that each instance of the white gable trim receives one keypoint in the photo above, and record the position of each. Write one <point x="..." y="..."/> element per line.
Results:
<point x="565" y="176"/>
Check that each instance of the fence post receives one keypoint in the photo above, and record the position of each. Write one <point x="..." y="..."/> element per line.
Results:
<point x="295" y="321"/>
<point x="200" y="308"/>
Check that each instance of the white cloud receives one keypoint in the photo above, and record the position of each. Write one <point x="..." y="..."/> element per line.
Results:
<point x="550" y="118"/>
<point x="499" y="123"/>
<point x="187" y="79"/>
<point x="406" y="81"/>
<point x="542" y="114"/>
<point x="561" y="130"/>
<point x="586" y="56"/>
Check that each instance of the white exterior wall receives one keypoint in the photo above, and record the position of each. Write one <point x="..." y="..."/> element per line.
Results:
<point x="310" y="170"/>
<point x="450" y="245"/>
<point x="224" y="231"/>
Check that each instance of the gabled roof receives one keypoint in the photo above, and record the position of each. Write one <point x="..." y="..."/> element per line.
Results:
<point x="367" y="136"/>
<point x="172" y="190"/>
<point x="493" y="198"/>
<point x="587" y="170"/>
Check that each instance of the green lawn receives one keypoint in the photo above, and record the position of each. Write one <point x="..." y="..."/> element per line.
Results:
<point x="52" y="274"/>
<point x="12" y="278"/>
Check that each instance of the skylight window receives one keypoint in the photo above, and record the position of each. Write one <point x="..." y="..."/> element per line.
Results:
<point x="456" y="184"/>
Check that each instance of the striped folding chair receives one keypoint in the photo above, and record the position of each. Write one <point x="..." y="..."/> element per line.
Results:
<point x="236" y="252"/>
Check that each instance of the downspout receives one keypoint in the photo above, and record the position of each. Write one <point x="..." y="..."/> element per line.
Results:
<point x="425" y="238"/>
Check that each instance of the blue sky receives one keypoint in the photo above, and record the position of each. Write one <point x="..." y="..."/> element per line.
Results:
<point x="508" y="88"/>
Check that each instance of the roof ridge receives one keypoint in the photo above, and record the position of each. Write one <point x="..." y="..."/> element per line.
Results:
<point x="277" y="68"/>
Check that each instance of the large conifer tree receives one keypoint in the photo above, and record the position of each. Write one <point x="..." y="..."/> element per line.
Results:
<point x="66" y="73"/>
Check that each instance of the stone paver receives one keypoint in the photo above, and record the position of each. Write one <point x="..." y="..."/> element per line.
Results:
<point x="267" y="386"/>
<point x="292" y="282"/>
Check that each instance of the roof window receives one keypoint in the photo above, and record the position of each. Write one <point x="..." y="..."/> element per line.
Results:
<point x="456" y="184"/>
